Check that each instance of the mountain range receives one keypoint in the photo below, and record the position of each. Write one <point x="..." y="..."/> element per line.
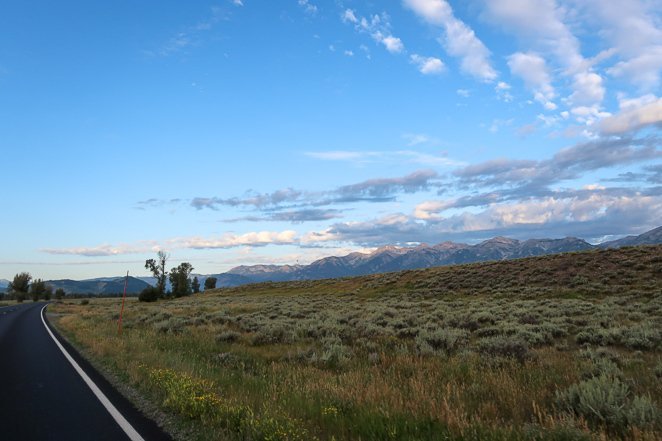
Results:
<point x="390" y="258"/>
<point x="382" y="260"/>
<point x="100" y="286"/>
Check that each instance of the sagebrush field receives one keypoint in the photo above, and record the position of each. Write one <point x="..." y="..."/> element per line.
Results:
<point x="558" y="347"/>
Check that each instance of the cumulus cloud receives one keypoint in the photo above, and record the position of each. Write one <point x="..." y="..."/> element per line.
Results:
<point x="590" y="213"/>
<point x="633" y="28"/>
<point x="532" y="69"/>
<point x="541" y="23"/>
<point x="392" y="44"/>
<point x="229" y="240"/>
<point x="502" y="90"/>
<point x="427" y="65"/>
<point x="634" y="115"/>
<point x="349" y="17"/>
<point x="378" y="26"/>
<point x="588" y="89"/>
<point x="459" y="40"/>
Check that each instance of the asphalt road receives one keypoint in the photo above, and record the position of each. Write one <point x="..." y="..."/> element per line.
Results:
<point x="42" y="397"/>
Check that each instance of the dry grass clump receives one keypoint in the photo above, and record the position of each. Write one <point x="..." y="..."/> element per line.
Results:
<point x="543" y="348"/>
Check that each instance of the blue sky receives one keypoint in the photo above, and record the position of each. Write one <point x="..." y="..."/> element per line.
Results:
<point x="244" y="132"/>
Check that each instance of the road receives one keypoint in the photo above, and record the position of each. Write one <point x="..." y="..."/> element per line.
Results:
<point x="42" y="396"/>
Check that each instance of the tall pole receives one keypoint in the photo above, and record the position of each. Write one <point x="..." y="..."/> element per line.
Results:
<point x="119" y="323"/>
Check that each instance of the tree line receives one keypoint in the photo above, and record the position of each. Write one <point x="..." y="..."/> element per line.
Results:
<point x="24" y="287"/>
<point x="181" y="283"/>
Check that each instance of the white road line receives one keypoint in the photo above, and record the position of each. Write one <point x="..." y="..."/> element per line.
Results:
<point x="112" y="410"/>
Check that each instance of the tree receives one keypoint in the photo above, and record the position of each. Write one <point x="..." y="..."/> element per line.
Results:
<point x="149" y="294"/>
<point x="19" y="286"/>
<point x="210" y="283"/>
<point x="179" y="279"/>
<point x="195" y="285"/>
<point x="59" y="294"/>
<point x="37" y="289"/>
<point x="48" y="293"/>
<point x="158" y="269"/>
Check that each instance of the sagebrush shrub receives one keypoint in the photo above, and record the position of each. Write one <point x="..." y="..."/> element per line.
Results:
<point x="503" y="346"/>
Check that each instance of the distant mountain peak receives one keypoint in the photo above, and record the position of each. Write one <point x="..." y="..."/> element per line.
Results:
<point x="390" y="249"/>
<point x="500" y="240"/>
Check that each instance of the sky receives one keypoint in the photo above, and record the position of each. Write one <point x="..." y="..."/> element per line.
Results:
<point x="239" y="132"/>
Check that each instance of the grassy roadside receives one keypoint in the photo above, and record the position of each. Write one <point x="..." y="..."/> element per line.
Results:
<point x="559" y="347"/>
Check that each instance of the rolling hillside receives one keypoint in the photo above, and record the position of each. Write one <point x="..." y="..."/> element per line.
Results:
<point x="101" y="286"/>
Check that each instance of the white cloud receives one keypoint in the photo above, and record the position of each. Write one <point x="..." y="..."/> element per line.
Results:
<point x="429" y="210"/>
<point x="238" y="2"/>
<point x="497" y="123"/>
<point x="260" y="238"/>
<point x="342" y="155"/>
<point x="427" y="65"/>
<point x="540" y="23"/>
<point x="459" y="40"/>
<point x="633" y="28"/>
<point x="378" y="27"/>
<point x="642" y="69"/>
<point x="314" y="237"/>
<point x="433" y="11"/>
<point x="532" y="69"/>
<point x="410" y="156"/>
<point x="463" y="93"/>
<point x="392" y="44"/>
<point x="590" y="205"/>
<point x="634" y="115"/>
<point x="308" y="7"/>
<point x="502" y="90"/>
<point x="421" y="158"/>
<point x="229" y="240"/>
<point x="106" y="249"/>
<point x="349" y="53"/>
<point x="588" y="89"/>
<point x="416" y="139"/>
<point x="349" y="17"/>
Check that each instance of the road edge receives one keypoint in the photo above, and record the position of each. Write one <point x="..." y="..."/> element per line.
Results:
<point x="130" y="431"/>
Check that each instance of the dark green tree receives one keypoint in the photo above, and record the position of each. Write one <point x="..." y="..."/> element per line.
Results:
<point x="210" y="283"/>
<point x="37" y="289"/>
<point x="195" y="285"/>
<point x="179" y="279"/>
<point x="48" y="293"/>
<point x="18" y="288"/>
<point x="149" y="294"/>
<point x="59" y="294"/>
<point x="158" y="268"/>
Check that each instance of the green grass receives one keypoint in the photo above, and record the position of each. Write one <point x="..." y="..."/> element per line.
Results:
<point x="512" y="350"/>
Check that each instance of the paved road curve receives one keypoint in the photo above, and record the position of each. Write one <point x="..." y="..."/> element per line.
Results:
<point x="42" y="397"/>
